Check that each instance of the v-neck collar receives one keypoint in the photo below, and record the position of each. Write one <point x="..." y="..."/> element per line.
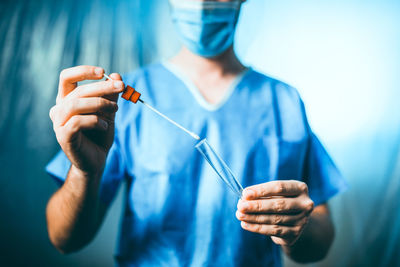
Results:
<point x="194" y="90"/>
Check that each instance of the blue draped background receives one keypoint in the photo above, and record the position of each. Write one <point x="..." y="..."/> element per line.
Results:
<point x="343" y="56"/>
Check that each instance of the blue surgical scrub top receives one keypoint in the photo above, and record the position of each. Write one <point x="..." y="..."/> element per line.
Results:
<point x="177" y="212"/>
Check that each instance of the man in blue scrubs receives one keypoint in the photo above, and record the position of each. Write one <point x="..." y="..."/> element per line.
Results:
<point x="176" y="211"/>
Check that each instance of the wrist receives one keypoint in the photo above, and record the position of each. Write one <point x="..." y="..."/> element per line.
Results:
<point x="80" y="179"/>
<point x="81" y="182"/>
<point x="87" y="175"/>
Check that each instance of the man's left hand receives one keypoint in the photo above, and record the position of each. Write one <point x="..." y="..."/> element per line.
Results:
<point x="279" y="209"/>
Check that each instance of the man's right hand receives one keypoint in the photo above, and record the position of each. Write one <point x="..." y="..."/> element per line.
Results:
<point x="83" y="117"/>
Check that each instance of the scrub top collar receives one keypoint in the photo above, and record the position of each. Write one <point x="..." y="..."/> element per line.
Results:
<point x="194" y="90"/>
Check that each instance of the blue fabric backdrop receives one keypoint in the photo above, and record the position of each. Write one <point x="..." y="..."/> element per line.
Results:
<point x="343" y="56"/>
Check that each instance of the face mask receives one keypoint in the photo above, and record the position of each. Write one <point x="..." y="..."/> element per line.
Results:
<point x="205" y="28"/>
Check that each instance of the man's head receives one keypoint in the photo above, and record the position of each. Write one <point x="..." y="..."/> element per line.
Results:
<point x="206" y="28"/>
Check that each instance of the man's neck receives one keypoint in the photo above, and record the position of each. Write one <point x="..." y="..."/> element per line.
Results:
<point x="212" y="76"/>
<point x="226" y="64"/>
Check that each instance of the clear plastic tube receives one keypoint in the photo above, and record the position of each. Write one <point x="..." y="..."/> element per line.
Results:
<point x="220" y="167"/>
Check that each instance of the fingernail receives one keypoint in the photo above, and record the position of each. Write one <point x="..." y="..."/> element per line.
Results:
<point x="244" y="224"/>
<point x="118" y="84"/>
<point x="98" y="71"/>
<point x="103" y="124"/>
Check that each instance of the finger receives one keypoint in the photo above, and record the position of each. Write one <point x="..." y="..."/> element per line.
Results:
<point x="102" y="88"/>
<point x="283" y="242"/>
<point x="52" y="113"/>
<point x="77" y="123"/>
<point x="286" y="232"/>
<point x="115" y="77"/>
<point x="277" y="219"/>
<point x="83" y="106"/>
<point x="71" y="76"/>
<point x="275" y="188"/>
<point x="86" y="122"/>
<point x="276" y="205"/>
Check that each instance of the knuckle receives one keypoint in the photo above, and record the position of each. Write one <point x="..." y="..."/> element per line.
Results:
<point x="70" y="105"/>
<point x="239" y="215"/>
<point x="67" y="134"/>
<point x="309" y="205"/>
<point x="276" y="230"/>
<point x="63" y="74"/>
<point x="73" y="125"/>
<point x="303" y="187"/>
<point x="112" y="84"/>
<point x="279" y="187"/>
<point x="301" y="220"/>
<point x="61" y="137"/>
<point x="51" y="112"/>
<point x="297" y="230"/>
<point x="286" y="234"/>
<point x="101" y="102"/>
<point x="258" y="218"/>
<point x="257" y="227"/>
<point x="57" y="132"/>
<point x="74" y="121"/>
<point x="103" y="86"/>
<point x="279" y="205"/>
<point x="305" y="221"/>
<point x="96" y="120"/>
<point x="277" y="219"/>
<point x="258" y="206"/>
<point x="249" y="206"/>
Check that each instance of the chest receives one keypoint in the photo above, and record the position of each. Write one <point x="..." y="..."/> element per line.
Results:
<point x="247" y="143"/>
<point x="213" y="90"/>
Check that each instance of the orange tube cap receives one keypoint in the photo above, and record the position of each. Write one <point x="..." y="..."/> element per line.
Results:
<point x="131" y="94"/>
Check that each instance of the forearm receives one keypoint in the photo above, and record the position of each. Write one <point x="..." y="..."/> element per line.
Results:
<point x="315" y="240"/>
<point x="73" y="212"/>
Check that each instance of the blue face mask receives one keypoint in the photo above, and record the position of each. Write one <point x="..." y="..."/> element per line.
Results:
<point x="205" y="28"/>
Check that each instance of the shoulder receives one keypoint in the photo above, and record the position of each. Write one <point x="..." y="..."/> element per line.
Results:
<point x="283" y="90"/>
<point x="287" y="105"/>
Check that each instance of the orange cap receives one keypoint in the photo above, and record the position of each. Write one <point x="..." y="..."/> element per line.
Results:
<point x="135" y="97"/>
<point x="131" y="94"/>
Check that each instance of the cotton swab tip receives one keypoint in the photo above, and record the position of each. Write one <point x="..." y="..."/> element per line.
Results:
<point x="195" y="136"/>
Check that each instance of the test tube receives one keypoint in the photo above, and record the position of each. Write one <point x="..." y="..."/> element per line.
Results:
<point x="220" y="167"/>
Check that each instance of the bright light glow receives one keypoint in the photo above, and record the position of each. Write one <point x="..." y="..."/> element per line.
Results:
<point x="344" y="60"/>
